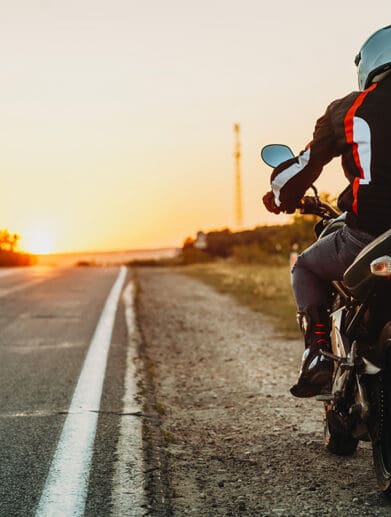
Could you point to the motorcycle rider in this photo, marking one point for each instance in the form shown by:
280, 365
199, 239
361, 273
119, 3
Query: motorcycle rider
357, 128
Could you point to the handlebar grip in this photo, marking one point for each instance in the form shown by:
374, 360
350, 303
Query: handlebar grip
309, 205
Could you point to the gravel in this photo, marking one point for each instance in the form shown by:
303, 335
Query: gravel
223, 435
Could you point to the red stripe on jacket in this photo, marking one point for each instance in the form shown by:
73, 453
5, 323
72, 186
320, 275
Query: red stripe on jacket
348, 122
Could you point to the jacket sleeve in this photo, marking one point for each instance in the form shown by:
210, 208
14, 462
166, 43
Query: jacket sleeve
291, 179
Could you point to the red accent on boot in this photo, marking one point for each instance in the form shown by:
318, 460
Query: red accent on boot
320, 340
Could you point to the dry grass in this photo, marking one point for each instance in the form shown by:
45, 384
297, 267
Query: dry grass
263, 288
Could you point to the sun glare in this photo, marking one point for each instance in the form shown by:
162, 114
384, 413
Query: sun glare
39, 242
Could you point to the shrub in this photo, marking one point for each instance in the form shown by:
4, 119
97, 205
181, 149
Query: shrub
194, 256
13, 258
256, 254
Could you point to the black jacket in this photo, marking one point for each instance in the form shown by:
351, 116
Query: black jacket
358, 128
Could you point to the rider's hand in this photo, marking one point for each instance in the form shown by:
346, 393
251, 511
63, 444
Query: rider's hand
290, 209
268, 201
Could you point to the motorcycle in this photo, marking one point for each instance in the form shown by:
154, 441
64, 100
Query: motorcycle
358, 406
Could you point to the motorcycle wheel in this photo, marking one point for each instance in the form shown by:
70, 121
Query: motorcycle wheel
341, 444
381, 430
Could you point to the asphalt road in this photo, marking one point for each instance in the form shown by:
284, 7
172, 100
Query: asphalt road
180, 409
48, 319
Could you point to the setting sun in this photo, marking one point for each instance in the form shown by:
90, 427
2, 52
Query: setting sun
128, 142
38, 241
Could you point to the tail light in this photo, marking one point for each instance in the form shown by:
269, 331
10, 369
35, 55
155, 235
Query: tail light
381, 266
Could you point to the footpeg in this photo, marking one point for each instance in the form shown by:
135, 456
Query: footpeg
346, 363
333, 357
325, 397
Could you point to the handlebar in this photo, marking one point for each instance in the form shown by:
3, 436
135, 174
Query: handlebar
313, 205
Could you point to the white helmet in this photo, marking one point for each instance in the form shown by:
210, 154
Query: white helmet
374, 57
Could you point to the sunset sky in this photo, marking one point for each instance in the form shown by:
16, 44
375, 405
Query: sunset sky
116, 115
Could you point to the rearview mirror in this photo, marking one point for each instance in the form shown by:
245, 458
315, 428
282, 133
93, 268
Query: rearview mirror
275, 154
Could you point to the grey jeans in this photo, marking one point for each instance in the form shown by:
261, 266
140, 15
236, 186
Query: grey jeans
326, 260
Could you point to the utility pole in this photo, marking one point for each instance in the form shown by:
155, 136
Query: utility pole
238, 180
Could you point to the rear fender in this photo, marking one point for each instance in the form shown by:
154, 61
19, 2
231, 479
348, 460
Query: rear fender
378, 357
383, 348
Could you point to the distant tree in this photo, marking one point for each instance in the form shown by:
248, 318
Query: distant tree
189, 243
9, 256
220, 243
8, 241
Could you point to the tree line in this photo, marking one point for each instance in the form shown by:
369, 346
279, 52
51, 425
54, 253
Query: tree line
9, 255
259, 244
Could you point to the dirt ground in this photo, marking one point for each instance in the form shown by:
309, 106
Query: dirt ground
223, 436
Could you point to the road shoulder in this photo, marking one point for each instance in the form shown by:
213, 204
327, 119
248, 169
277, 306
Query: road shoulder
231, 439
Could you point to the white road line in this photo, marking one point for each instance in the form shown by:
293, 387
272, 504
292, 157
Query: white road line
66, 486
128, 495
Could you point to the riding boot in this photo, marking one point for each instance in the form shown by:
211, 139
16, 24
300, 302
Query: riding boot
316, 369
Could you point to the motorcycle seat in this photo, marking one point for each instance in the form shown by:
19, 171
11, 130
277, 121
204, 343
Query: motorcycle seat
358, 277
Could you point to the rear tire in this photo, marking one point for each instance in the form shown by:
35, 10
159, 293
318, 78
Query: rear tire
381, 430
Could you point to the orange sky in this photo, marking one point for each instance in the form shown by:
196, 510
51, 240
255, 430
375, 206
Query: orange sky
116, 116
